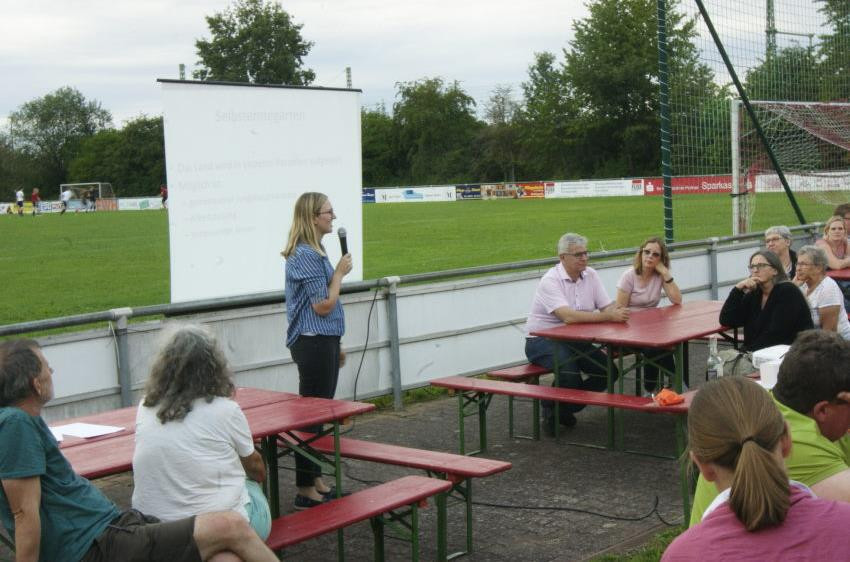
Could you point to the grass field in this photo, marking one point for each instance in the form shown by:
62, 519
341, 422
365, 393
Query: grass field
60, 265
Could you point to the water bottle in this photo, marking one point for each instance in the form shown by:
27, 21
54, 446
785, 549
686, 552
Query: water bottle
715, 362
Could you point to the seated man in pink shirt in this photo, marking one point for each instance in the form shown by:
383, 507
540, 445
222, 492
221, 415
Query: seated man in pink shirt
570, 293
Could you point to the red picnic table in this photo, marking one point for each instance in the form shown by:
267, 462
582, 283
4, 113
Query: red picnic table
664, 328
269, 413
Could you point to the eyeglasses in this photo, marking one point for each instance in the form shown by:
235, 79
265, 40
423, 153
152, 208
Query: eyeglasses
772, 239
331, 212
651, 253
577, 255
807, 264
758, 266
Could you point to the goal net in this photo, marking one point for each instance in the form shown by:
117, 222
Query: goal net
811, 143
794, 53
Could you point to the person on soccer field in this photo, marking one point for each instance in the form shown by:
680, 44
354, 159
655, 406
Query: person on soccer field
19, 201
35, 199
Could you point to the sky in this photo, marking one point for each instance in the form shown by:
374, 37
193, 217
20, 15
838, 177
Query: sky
113, 51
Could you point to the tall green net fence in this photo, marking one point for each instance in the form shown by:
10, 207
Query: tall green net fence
792, 58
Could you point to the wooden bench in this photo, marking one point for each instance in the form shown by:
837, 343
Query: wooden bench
476, 394
372, 503
527, 373
459, 470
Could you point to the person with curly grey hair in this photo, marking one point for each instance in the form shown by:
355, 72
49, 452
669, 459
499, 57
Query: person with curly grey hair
823, 294
194, 451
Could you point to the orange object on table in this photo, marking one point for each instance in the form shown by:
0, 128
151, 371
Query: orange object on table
668, 397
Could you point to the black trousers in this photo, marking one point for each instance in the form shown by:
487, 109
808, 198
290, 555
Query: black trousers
317, 358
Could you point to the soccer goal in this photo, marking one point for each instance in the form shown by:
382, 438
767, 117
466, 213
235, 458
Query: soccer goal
811, 142
90, 196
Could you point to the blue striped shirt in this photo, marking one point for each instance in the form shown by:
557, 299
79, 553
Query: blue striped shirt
307, 277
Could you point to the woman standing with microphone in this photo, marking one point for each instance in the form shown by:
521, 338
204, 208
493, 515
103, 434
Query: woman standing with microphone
316, 322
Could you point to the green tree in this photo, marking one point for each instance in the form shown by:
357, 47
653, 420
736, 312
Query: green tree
546, 119
612, 70
436, 127
49, 131
254, 41
131, 159
792, 74
499, 140
379, 148
834, 51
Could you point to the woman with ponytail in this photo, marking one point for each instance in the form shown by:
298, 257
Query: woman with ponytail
739, 440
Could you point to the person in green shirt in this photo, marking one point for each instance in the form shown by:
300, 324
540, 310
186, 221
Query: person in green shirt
813, 395
54, 515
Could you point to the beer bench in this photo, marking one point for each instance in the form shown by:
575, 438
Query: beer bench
379, 504
459, 470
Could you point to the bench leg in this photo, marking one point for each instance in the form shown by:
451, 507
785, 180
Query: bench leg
377, 524
511, 417
479, 402
535, 415
442, 526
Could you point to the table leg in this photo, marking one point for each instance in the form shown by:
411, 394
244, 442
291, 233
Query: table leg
556, 373
338, 478
609, 366
269, 445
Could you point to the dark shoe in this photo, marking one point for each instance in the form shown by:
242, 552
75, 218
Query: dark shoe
568, 419
331, 494
549, 424
303, 502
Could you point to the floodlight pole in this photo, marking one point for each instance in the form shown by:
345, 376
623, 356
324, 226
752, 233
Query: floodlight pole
664, 120
746, 101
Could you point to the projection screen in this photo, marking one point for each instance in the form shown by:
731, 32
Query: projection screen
237, 157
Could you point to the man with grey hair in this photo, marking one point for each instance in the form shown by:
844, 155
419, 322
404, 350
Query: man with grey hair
570, 293
777, 239
54, 514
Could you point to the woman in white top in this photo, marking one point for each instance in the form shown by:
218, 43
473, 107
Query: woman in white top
822, 293
194, 452
640, 286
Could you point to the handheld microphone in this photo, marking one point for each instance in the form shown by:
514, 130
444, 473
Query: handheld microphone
343, 242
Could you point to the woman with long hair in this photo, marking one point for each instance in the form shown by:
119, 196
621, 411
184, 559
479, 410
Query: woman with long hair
771, 310
194, 451
316, 322
739, 440
835, 243
640, 286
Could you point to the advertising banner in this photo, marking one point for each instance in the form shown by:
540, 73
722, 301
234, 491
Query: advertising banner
415, 194
593, 188
139, 204
825, 181
682, 185
467, 192
498, 191
530, 190
368, 195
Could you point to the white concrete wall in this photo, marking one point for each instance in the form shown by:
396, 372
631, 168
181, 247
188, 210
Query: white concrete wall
448, 328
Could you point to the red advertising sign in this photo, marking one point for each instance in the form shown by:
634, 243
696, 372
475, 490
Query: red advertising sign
689, 184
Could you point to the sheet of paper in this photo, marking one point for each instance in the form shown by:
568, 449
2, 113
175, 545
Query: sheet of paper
85, 430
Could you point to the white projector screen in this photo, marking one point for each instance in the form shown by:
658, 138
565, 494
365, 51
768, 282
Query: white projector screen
237, 158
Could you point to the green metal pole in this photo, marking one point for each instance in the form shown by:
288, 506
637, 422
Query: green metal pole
664, 121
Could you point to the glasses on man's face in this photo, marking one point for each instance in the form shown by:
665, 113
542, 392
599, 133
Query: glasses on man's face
577, 255
772, 239
759, 266
651, 253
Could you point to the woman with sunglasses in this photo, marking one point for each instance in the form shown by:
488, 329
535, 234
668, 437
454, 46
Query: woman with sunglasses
640, 286
771, 310
316, 322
